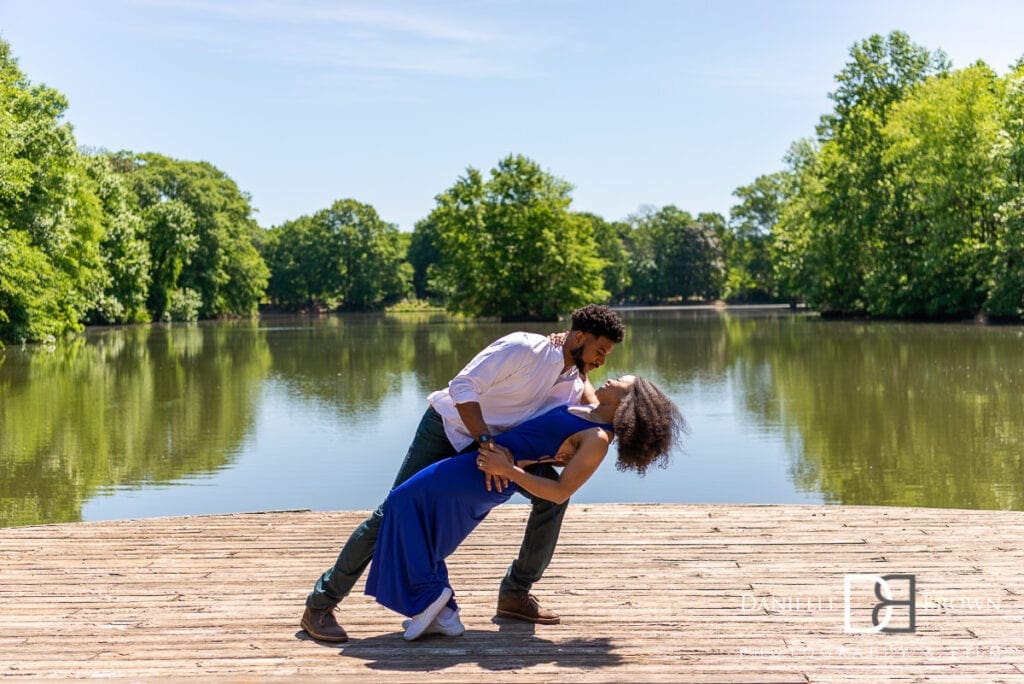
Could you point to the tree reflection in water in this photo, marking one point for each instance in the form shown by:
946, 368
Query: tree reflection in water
868, 413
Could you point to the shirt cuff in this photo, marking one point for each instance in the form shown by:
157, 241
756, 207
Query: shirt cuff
462, 393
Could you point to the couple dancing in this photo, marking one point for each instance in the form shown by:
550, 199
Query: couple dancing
531, 392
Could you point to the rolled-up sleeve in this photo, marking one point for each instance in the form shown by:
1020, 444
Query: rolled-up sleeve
496, 362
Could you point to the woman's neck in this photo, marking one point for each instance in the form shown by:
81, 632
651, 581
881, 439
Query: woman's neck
603, 413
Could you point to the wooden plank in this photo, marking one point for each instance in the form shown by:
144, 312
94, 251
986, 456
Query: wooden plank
647, 593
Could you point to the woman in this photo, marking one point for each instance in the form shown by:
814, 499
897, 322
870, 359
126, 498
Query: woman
429, 515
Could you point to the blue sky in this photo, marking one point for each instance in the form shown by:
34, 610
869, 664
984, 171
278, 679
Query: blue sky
635, 103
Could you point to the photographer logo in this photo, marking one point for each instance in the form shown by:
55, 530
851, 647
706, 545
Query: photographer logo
889, 614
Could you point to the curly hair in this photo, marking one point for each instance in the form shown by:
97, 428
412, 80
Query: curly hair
647, 425
600, 321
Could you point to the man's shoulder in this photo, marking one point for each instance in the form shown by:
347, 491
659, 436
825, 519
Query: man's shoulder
525, 343
529, 348
524, 338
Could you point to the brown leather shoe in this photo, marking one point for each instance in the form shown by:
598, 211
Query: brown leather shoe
525, 607
321, 625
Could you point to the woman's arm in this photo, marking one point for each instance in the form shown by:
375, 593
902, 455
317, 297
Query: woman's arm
592, 449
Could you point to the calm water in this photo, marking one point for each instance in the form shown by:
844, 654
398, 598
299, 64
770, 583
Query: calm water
291, 413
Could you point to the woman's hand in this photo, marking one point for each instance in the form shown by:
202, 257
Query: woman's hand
498, 465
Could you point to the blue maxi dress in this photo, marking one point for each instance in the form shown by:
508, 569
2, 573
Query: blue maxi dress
431, 513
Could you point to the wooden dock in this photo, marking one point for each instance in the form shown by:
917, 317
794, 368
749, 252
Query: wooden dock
646, 593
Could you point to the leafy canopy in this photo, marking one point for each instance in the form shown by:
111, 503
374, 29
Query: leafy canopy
511, 247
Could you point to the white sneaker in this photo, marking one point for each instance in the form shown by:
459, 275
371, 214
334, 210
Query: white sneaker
449, 625
419, 623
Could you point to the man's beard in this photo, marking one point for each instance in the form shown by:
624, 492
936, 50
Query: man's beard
577, 358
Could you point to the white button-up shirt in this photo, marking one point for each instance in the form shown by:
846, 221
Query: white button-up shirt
514, 378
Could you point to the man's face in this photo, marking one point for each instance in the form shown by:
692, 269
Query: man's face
590, 351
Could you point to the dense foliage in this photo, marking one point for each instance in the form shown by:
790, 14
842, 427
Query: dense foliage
611, 248
50, 223
124, 249
110, 238
343, 256
908, 203
750, 271
674, 256
509, 246
201, 233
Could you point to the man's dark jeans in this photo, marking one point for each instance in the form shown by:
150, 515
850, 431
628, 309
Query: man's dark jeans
431, 445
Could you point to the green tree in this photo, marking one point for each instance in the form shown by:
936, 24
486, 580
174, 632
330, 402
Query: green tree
674, 256
944, 188
611, 247
171, 234
423, 254
846, 203
225, 269
373, 257
796, 263
750, 270
286, 251
124, 250
713, 231
342, 256
1006, 281
50, 222
511, 247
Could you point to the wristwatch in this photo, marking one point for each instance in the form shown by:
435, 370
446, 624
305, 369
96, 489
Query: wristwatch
483, 439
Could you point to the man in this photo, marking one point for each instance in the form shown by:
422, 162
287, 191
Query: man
513, 379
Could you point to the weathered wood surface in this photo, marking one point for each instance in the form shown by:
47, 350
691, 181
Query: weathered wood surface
646, 593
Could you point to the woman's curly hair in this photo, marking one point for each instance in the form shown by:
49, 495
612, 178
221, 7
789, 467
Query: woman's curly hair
647, 425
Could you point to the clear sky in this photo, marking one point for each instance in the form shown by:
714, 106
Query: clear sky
635, 103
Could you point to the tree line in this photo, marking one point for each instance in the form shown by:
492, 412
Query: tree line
99, 237
908, 202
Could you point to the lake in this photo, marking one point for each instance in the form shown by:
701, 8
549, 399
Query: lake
317, 412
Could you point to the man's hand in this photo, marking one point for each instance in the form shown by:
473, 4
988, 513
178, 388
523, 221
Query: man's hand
497, 463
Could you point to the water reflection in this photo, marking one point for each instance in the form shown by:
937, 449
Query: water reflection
784, 408
353, 363
871, 413
130, 406
902, 414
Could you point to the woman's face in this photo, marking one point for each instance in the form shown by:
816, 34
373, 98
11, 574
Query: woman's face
613, 390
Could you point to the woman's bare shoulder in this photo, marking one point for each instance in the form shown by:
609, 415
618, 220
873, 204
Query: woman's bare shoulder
590, 437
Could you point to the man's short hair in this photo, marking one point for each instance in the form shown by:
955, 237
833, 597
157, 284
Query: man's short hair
598, 320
